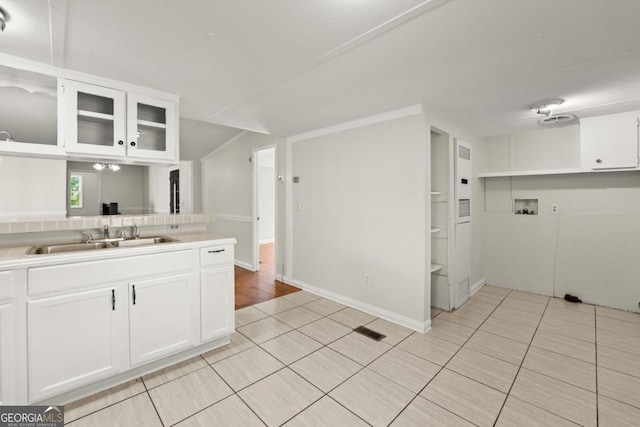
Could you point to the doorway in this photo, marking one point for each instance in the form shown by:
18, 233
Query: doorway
174, 191
265, 209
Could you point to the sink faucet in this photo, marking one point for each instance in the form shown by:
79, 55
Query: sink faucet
134, 232
88, 237
106, 232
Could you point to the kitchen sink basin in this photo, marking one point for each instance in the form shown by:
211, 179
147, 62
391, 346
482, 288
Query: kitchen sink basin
67, 247
142, 241
91, 246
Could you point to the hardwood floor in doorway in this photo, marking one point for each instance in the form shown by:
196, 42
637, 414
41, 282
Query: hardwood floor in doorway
253, 287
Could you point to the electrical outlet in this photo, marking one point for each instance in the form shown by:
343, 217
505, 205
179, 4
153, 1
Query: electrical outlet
367, 279
554, 208
174, 226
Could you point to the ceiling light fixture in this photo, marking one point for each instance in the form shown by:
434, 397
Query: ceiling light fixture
102, 166
4, 17
547, 107
9, 137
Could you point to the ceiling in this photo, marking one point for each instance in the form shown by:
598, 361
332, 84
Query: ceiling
289, 66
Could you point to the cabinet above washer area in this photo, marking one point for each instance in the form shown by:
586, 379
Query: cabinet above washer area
610, 142
58, 113
597, 144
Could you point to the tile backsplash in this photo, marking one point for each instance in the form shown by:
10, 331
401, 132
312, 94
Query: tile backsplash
37, 225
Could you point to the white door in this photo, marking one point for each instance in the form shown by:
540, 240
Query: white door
92, 119
163, 317
7, 355
217, 302
75, 339
151, 128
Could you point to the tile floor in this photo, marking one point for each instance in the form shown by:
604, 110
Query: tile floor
506, 358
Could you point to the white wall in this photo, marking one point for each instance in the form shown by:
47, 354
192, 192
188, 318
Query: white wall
190, 187
361, 195
157, 184
590, 248
364, 209
32, 187
266, 195
543, 149
227, 191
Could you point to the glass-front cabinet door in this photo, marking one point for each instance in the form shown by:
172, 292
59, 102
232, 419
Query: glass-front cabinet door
151, 127
94, 119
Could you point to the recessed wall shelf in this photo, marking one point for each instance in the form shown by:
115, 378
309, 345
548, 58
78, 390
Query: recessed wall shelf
435, 230
436, 193
530, 173
525, 206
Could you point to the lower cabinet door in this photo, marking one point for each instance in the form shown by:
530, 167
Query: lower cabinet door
7, 354
163, 317
217, 308
75, 339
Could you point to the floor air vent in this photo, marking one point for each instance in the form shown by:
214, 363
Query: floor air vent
369, 333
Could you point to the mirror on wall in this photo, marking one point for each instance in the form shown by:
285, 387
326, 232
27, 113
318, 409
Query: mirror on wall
107, 192
28, 111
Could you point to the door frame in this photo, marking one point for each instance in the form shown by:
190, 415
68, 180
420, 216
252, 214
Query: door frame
255, 243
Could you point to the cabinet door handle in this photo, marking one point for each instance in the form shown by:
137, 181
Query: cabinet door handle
133, 143
113, 299
121, 142
134, 294
216, 251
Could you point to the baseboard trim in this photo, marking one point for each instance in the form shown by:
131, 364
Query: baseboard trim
476, 286
359, 305
244, 265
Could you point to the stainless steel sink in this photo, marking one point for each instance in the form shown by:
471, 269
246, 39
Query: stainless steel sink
67, 247
91, 246
143, 241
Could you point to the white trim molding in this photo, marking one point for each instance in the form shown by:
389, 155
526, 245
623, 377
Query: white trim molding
476, 286
359, 305
244, 265
383, 117
229, 217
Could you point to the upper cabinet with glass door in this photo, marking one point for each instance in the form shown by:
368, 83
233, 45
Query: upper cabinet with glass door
102, 122
28, 113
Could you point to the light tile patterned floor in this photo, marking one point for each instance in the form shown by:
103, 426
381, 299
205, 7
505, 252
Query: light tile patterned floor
506, 358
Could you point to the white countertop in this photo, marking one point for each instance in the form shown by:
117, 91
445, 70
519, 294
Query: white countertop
15, 255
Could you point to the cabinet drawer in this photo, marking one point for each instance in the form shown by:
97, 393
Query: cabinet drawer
6, 289
86, 275
216, 255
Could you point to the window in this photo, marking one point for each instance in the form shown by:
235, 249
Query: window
75, 191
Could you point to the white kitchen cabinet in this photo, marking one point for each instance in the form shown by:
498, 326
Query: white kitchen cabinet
610, 142
7, 353
163, 317
216, 298
151, 128
93, 119
76, 339
102, 122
